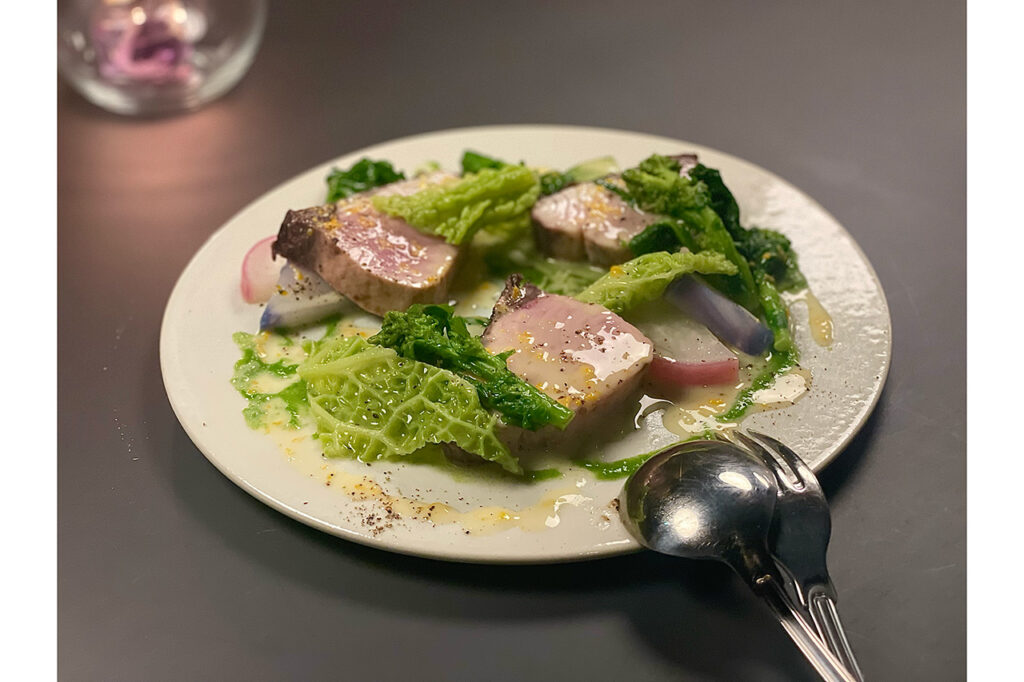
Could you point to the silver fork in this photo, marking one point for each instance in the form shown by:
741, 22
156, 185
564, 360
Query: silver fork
801, 530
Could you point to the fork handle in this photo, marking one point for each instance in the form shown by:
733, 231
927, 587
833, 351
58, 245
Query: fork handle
828, 665
822, 608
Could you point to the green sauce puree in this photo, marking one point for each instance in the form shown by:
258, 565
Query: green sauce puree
621, 468
250, 366
778, 363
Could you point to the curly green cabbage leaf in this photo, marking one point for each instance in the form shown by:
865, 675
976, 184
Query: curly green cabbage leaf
370, 403
645, 277
363, 175
432, 334
498, 199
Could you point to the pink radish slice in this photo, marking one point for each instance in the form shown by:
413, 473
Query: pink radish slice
669, 372
260, 269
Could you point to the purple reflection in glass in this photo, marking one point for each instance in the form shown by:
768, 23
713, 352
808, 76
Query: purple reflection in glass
145, 41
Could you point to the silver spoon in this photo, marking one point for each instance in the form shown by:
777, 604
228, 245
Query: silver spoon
712, 500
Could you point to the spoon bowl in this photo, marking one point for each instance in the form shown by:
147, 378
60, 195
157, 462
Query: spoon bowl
700, 500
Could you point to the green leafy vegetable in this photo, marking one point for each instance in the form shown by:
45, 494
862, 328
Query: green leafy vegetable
498, 199
370, 403
474, 162
587, 171
426, 168
721, 199
657, 187
774, 308
645, 277
552, 182
778, 363
557, 276
659, 236
553, 275
621, 468
772, 252
363, 175
433, 335
768, 250
772, 260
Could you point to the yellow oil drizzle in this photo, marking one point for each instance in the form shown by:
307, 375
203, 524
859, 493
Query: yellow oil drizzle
486, 520
818, 320
387, 509
694, 410
478, 521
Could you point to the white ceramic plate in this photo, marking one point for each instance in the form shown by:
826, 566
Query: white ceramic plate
566, 519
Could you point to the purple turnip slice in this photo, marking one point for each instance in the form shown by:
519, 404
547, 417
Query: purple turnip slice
729, 321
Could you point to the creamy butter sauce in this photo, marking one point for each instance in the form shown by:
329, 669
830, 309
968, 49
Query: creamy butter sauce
787, 389
479, 301
273, 347
269, 383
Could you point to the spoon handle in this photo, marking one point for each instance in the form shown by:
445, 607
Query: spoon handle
827, 665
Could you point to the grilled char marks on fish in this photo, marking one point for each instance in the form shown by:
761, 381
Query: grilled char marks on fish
517, 293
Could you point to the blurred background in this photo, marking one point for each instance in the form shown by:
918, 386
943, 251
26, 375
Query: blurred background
168, 571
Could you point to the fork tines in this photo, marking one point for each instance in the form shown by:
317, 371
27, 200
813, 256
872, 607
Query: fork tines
785, 463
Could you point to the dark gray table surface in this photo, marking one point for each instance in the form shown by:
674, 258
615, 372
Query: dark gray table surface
168, 571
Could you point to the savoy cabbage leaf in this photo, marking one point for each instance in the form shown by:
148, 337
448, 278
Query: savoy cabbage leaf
370, 403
